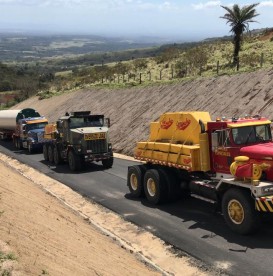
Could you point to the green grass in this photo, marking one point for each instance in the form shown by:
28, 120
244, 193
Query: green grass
7, 256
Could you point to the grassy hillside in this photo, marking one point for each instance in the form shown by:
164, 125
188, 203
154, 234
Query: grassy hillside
138, 67
169, 63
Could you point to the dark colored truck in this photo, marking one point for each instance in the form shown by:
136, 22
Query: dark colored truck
78, 138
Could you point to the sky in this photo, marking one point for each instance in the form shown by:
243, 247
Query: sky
171, 19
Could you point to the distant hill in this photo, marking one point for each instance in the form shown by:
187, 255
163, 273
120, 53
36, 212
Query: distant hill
26, 48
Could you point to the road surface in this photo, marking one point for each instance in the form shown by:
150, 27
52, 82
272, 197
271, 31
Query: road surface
190, 225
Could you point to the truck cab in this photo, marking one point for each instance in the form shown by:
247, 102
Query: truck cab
247, 136
29, 132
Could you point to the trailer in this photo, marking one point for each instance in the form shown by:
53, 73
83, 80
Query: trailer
78, 138
228, 162
24, 126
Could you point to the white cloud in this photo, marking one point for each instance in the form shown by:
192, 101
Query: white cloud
19, 2
266, 4
207, 5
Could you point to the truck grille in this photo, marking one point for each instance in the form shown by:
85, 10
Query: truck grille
97, 146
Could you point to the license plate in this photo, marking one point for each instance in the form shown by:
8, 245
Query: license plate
94, 136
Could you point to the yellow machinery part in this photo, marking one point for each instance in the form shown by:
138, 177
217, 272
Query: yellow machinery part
241, 160
176, 139
182, 127
204, 152
256, 172
50, 131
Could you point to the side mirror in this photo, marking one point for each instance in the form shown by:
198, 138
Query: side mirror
107, 122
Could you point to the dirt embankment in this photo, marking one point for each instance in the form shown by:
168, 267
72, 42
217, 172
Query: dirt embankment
48, 229
131, 110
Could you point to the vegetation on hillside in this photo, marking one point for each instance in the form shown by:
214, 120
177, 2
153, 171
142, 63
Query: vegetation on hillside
168, 63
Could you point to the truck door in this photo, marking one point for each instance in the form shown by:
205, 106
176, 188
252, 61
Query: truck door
221, 151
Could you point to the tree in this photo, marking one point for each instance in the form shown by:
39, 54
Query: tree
239, 19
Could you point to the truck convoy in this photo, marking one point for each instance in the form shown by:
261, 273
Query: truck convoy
25, 127
228, 162
78, 137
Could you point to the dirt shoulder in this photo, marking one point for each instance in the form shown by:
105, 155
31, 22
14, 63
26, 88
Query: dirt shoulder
48, 229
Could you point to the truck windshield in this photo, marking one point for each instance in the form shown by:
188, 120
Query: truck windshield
251, 134
94, 121
35, 126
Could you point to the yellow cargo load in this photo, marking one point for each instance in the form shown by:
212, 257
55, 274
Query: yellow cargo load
50, 131
178, 127
175, 141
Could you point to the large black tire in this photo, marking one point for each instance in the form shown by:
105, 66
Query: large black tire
239, 211
14, 142
74, 161
155, 187
18, 143
45, 152
30, 148
50, 149
56, 156
172, 184
107, 163
135, 177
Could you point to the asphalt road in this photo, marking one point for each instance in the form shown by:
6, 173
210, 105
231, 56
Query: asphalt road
192, 226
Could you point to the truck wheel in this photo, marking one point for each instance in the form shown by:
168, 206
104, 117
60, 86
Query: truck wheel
74, 161
18, 144
135, 178
50, 154
45, 152
155, 187
29, 148
172, 184
107, 163
56, 156
239, 211
14, 142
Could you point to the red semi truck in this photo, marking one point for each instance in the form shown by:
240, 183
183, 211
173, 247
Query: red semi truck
228, 162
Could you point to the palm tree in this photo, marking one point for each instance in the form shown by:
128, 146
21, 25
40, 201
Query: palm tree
239, 19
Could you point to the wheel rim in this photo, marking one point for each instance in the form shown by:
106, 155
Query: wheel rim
133, 182
236, 211
151, 187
